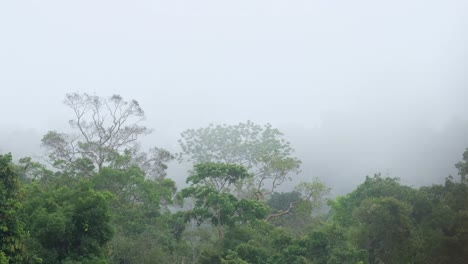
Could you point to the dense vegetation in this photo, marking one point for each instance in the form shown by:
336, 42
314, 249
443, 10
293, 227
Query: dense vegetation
102, 199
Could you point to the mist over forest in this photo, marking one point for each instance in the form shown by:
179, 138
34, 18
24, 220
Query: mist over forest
242, 132
341, 151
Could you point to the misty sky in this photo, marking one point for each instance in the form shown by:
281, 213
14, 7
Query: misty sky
357, 86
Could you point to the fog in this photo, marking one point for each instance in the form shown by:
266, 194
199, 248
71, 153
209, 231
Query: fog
358, 87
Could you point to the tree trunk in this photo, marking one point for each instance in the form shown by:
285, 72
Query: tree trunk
220, 232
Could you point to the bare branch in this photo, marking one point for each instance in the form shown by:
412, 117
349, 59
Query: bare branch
291, 206
106, 126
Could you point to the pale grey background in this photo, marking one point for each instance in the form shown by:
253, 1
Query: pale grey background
357, 86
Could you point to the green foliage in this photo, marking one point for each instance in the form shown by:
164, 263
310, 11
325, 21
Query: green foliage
378, 218
443, 230
398, 224
209, 190
314, 192
68, 223
233, 258
298, 210
11, 228
219, 176
106, 201
329, 244
104, 127
29, 170
63, 156
280, 201
385, 229
133, 190
211, 204
260, 242
462, 167
376, 186
262, 150
153, 163
144, 229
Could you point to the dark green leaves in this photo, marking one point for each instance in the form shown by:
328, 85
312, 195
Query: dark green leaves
11, 228
212, 200
68, 223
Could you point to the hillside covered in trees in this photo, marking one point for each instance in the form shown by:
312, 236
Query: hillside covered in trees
99, 196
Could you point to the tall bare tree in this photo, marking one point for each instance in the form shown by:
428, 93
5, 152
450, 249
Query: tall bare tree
105, 127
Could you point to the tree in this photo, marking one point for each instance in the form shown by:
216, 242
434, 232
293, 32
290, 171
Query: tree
105, 126
373, 187
145, 230
218, 208
385, 230
262, 150
443, 222
29, 170
462, 167
310, 193
11, 228
68, 224
259, 242
378, 218
153, 163
218, 176
209, 188
329, 244
137, 198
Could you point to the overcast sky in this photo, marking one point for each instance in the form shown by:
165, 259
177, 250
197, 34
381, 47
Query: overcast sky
359, 80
